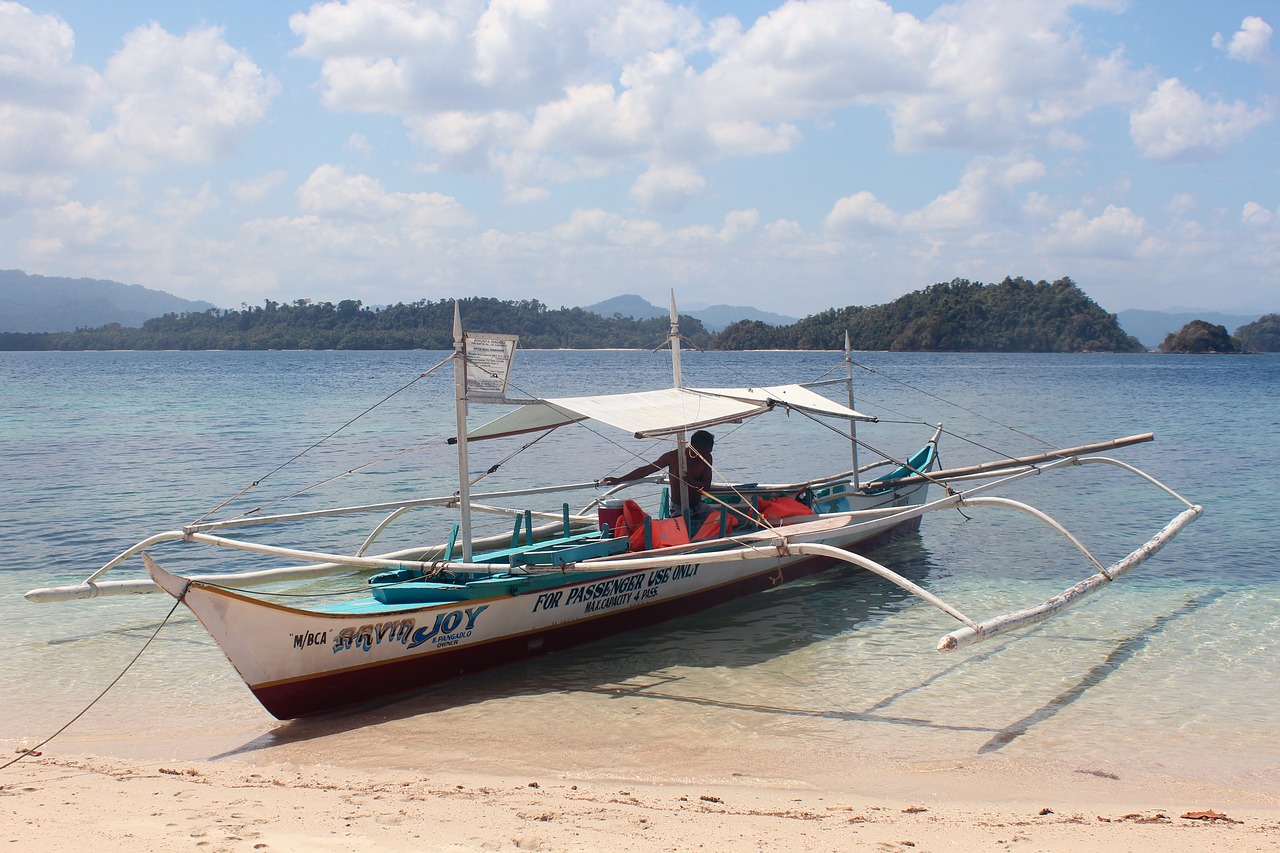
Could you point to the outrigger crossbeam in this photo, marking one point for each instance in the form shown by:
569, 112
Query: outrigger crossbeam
782, 541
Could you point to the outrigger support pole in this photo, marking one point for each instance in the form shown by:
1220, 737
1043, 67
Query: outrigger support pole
971, 634
817, 549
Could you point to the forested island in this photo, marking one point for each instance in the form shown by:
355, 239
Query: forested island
1201, 337
1015, 315
1262, 335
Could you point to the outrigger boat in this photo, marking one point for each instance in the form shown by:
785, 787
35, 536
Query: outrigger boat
470, 603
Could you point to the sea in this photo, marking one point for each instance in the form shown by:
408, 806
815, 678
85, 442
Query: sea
1168, 674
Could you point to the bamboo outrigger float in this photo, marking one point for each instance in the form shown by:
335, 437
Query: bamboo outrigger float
433, 612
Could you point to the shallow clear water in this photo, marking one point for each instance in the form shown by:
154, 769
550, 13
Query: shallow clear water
1170, 671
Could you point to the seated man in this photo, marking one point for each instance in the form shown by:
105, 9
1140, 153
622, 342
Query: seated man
687, 494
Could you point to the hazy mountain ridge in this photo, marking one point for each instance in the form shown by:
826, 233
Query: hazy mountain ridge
714, 317
37, 303
1151, 327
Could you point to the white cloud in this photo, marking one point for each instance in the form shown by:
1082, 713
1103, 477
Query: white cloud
550, 92
411, 59
1177, 123
468, 140
738, 224
359, 143
1012, 70
984, 197
19, 191
1181, 204
1117, 232
254, 190
1256, 215
1251, 43
861, 212
331, 193
179, 205
188, 99
667, 189
101, 227
599, 227
45, 99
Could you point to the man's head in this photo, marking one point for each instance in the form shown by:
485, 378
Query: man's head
702, 440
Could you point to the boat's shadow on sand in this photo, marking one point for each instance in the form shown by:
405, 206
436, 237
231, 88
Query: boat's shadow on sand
743, 633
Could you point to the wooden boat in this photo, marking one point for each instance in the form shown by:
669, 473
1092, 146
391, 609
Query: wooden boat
436, 612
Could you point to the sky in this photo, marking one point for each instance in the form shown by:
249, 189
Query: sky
789, 156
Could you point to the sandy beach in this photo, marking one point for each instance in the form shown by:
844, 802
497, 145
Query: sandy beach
415, 775
54, 801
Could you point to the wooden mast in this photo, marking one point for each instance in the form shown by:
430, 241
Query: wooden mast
682, 438
853, 423
460, 403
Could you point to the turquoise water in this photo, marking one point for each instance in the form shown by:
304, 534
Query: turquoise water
1169, 673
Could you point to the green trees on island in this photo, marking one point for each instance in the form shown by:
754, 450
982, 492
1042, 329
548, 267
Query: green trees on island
304, 324
1016, 315
1262, 335
1199, 336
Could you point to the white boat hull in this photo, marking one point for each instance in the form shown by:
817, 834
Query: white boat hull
299, 662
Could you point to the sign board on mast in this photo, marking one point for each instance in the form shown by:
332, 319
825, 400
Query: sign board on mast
489, 358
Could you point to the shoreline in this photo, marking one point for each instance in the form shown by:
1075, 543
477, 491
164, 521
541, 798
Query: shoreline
52, 800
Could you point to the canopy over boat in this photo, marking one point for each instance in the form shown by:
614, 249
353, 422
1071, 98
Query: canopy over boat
648, 414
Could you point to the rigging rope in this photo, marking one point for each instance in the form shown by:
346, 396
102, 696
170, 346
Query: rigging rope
85, 710
302, 491
906, 384
313, 446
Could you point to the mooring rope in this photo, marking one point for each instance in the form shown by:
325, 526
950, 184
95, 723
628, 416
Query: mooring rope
35, 749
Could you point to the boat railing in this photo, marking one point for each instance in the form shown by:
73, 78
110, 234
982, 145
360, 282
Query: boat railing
325, 564
804, 537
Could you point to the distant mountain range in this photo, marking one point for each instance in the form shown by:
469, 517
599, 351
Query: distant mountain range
37, 303
1151, 327
713, 317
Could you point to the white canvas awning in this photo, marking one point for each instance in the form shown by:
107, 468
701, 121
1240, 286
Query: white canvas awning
646, 414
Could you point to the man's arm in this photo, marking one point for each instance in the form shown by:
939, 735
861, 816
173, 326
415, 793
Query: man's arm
642, 471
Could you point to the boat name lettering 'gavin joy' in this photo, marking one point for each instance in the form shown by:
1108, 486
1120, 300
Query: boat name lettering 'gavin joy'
365, 637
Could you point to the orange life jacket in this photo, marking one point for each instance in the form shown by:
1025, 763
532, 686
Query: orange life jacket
776, 510
664, 532
710, 528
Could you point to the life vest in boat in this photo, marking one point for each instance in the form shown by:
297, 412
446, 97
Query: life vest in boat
776, 510
664, 532
710, 528
631, 520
